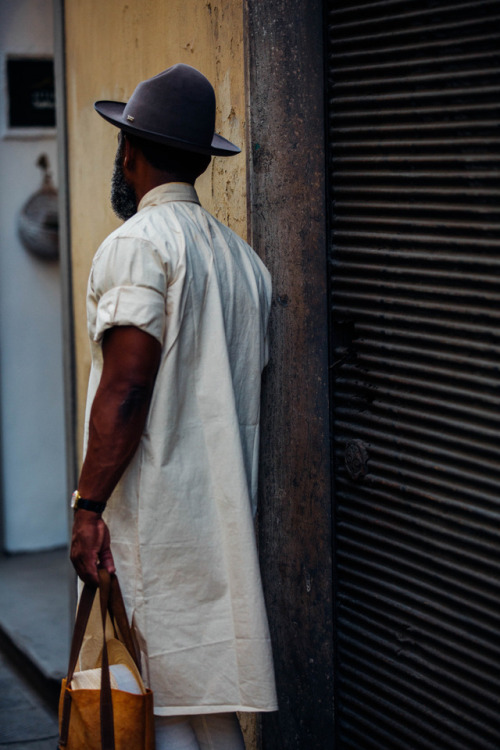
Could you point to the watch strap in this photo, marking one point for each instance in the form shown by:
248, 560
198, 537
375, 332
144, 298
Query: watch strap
83, 504
77, 502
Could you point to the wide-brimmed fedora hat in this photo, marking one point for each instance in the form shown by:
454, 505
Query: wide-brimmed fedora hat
176, 108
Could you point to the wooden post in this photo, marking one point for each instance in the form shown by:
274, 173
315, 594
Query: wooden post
289, 231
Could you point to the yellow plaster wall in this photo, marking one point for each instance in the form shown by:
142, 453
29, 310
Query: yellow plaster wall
111, 46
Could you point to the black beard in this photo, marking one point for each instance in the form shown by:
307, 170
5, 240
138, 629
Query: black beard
123, 200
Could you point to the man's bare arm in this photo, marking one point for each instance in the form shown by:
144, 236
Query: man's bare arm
119, 411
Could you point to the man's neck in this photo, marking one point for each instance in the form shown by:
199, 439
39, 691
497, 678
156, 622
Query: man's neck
148, 178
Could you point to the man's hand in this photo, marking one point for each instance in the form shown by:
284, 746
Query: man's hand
90, 546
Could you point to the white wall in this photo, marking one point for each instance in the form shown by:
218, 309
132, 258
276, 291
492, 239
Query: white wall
32, 468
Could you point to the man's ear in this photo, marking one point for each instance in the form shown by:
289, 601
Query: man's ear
129, 155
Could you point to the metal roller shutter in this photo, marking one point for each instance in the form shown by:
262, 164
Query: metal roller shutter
414, 116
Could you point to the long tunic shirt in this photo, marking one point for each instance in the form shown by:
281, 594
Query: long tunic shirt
181, 517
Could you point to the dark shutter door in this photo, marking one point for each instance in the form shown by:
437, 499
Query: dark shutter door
414, 133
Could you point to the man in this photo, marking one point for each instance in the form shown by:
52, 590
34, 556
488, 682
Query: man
177, 314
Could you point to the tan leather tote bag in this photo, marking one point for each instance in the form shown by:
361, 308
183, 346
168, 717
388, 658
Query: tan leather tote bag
94, 713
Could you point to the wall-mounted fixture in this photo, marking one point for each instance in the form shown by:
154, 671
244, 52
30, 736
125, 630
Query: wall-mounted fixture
38, 223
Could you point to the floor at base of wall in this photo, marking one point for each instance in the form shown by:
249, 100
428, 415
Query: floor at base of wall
35, 596
25, 719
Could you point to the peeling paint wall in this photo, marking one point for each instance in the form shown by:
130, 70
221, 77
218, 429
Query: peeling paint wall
110, 47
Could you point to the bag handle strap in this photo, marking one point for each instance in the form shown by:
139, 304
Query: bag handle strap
119, 617
82, 617
107, 727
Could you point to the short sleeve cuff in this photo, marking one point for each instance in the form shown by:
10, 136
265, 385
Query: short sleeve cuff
136, 306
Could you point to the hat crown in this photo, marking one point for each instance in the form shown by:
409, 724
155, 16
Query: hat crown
179, 103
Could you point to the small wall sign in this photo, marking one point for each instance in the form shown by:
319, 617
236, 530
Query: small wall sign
30, 84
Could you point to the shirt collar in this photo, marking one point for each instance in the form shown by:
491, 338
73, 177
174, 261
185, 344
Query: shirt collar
170, 191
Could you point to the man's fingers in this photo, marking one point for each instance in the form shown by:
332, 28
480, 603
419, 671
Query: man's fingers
86, 569
106, 560
105, 556
90, 547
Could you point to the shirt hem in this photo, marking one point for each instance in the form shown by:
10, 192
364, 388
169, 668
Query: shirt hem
194, 710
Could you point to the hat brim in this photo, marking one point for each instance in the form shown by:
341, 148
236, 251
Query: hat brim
113, 113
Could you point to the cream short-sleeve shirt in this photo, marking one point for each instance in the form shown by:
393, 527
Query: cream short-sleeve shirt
181, 517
